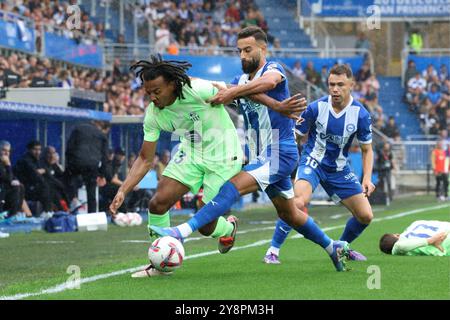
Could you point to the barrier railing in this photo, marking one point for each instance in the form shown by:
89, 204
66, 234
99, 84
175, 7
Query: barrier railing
130, 52
413, 155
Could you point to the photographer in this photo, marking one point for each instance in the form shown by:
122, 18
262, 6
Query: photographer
385, 165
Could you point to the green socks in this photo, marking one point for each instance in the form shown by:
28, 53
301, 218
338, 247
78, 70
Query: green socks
158, 220
223, 228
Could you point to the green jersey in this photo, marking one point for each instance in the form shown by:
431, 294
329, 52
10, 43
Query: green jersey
413, 241
206, 132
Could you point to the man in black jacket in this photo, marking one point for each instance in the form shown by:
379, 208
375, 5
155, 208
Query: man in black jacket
31, 173
11, 191
54, 175
86, 155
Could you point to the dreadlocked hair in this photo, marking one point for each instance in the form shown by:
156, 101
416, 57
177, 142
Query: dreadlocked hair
170, 70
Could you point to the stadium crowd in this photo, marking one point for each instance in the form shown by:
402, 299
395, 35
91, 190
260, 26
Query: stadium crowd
427, 93
52, 15
38, 185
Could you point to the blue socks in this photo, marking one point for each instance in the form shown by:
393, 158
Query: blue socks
311, 231
222, 202
282, 230
352, 230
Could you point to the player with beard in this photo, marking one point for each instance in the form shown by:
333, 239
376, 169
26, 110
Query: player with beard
271, 149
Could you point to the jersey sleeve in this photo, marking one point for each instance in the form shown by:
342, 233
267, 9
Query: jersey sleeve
151, 128
404, 245
204, 88
364, 133
275, 67
309, 117
235, 80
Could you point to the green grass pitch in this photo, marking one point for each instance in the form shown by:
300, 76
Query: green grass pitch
32, 263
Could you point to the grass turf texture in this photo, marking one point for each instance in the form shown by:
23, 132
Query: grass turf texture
33, 262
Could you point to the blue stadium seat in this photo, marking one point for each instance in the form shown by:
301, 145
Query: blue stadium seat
391, 99
280, 16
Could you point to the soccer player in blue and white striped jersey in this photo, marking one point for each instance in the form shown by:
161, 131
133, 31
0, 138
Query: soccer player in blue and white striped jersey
332, 122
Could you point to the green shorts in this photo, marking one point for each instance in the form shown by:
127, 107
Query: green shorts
194, 175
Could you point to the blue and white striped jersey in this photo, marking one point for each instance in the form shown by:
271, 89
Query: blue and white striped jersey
265, 127
331, 134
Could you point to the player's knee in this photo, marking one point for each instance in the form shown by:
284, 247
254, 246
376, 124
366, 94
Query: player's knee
365, 218
300, 203
157, 206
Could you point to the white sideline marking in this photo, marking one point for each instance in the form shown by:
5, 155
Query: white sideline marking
63, 287
53, 242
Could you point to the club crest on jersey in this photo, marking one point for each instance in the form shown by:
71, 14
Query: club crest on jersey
350, 127
194, 116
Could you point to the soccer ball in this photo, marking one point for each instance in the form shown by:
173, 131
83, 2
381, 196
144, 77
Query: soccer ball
166, 254
122, 220
128, 220
135, 219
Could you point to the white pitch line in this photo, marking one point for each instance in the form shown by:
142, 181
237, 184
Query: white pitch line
63, 287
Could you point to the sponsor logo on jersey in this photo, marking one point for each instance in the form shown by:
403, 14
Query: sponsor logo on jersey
339, 140
307, 170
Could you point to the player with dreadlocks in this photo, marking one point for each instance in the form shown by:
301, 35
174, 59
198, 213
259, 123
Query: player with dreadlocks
209, 154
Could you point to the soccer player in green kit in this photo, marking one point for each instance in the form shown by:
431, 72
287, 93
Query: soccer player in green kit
209, 154
421, 238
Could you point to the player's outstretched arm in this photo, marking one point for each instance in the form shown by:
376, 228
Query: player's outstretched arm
139, 169
291, 107
367, 159
263, 84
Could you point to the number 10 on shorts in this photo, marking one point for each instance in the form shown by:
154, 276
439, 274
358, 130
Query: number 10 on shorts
311, 162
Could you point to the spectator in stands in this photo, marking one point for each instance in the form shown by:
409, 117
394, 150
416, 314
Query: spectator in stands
162, 40
373, 82
390, 129
415, 41
363, 74
114, 179
298, 71
233, 11
324, 78
443, 73
362, 43
54, 175
398, 150
433, 98
86, 156
385, 165
64, 80
311, 74
410, 72
162, 164
430, 74
12, 192
31, 173
440, 166
416, 93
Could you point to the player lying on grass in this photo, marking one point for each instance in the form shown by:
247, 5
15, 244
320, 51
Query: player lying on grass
271, 150
421, 238
332, 122
209, 154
